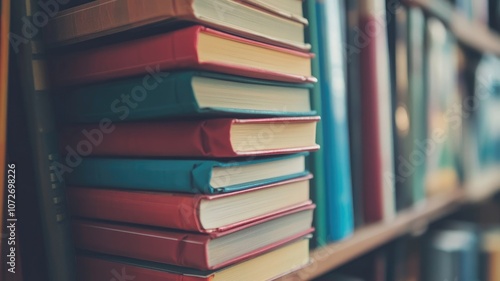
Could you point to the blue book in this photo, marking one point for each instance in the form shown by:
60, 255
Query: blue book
186, 176
331, 21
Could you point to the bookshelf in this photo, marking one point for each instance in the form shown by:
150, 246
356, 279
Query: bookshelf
413, 220
473, 34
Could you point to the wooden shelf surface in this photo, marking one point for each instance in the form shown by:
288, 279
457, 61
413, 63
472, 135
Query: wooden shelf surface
416, 219
473, 34
413, 220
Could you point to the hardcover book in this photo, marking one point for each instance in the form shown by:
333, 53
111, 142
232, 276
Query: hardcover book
196, 138
340, 221
292, 256
186, 176
194, 250
183, 94
378, 164
195, 47
190, 212
97, 19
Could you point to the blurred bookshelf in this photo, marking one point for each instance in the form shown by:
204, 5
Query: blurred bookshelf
475, 35
413, 220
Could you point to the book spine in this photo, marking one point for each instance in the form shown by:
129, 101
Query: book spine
354, 118
49, 185
378, 179
150, 55
207, 138
192, 177
155, 209
182, 249
141, 98
318, 183
339, 203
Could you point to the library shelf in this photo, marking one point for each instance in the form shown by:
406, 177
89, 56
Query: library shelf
483, 186
476, 35
413, 220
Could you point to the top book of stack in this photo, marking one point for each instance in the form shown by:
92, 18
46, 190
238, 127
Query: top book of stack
268, 22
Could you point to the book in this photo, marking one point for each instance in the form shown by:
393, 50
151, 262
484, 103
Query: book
334, 120
378, 164
444, 126
417, 99
98, 19
222, 137
401, 108
198, 212
185, 176
45, 189
288, 9
271, 265
195, 47
194, 250
447, 254
316, 160
353, 46
490, 253
183, 94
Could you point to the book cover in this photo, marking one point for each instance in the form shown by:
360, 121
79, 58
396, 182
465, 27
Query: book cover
39, 151
444, 125
334, 120
418, 99
316, 163
222, 137
175, 96
182, 211
290, 257
132, 17
195, 47
401, 108
355, 41
193, 250
378, 165
185, 176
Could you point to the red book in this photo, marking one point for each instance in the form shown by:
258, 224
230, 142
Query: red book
378, 187
273, 264
199, 138
190, 212
194, 250
195, 47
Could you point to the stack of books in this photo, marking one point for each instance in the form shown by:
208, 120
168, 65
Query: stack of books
188, 124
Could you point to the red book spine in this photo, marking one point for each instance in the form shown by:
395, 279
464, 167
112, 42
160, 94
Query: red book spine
149, 244
149, 55
372, 158
208, 138
156, 209
91, 269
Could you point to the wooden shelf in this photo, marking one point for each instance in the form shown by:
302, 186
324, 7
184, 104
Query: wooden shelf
413, 220
483, 186
416, 219
473, 34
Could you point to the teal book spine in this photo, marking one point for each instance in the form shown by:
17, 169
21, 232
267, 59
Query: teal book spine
159, 95
316, 160
172, 175
339, 205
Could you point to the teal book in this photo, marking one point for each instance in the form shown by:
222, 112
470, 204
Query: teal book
316, 161
181, 94
186, 176
339, 204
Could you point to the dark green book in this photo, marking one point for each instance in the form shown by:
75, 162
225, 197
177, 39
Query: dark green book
316, 159
183, 94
